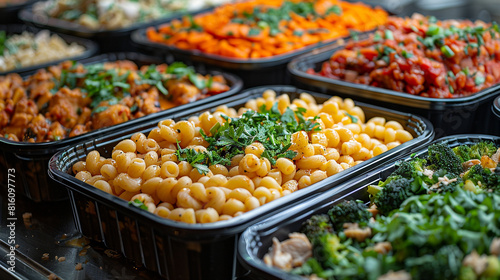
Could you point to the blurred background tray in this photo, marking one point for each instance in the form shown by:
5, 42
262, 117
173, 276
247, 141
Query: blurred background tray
108, 40
9, 12
91, 48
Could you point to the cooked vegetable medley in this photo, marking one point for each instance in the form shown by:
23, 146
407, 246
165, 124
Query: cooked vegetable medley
70, 99
422, 56
28, 49
433, 218
219, 165
114, 14
263, 28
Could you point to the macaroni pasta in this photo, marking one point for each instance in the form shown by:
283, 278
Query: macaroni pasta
150, 167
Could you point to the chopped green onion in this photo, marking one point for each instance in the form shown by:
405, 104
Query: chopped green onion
479, 79
253, 32
447, 51
388, 35
433, 30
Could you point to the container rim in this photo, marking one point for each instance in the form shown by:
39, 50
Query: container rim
237, 223
45, 147
309, 60
59, 25
496, 106
346, 189
91, 47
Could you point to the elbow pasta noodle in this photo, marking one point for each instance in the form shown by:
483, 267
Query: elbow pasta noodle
147, 168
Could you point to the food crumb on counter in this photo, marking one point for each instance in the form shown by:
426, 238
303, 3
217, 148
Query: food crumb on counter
17, 246
83, 252
52, 276
78, 266
27, 219
45, 256
112, 254
61, 259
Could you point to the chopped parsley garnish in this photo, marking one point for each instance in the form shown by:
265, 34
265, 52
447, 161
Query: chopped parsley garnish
269, 127
335, 9
102, 84
139, 204
354, 119
479, 79
253, 32
447, 51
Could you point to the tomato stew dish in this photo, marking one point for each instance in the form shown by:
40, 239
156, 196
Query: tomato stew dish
422, 56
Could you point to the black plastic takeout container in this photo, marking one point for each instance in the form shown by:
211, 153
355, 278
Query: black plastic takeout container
448, 116
256, 241
201, 251
31, 159
8, 12
91, 47
109, 40
254, 72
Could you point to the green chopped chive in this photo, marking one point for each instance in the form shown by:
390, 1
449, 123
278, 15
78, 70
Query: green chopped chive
479, 79
447, 51
388, 35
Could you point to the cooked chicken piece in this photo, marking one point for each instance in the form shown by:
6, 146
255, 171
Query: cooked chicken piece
478, 263
38, 128
77, 130
398, 275
487, 162
115, 114
299, 247
352, 230
373, 209
444, 180
382, 247
182, 92
56, 132
290, 253
428, 173
278, 258
468, 164
496, 156
495, 246
64, 106
4, 118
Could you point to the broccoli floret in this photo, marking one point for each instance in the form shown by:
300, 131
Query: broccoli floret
349, 211
482, 149
492, 269
326, 248
311, 266
443, 264
467, 273
389, 194
477, 174
440, 156
443, 187
316, 226
463, 152
411, 168
493, 181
